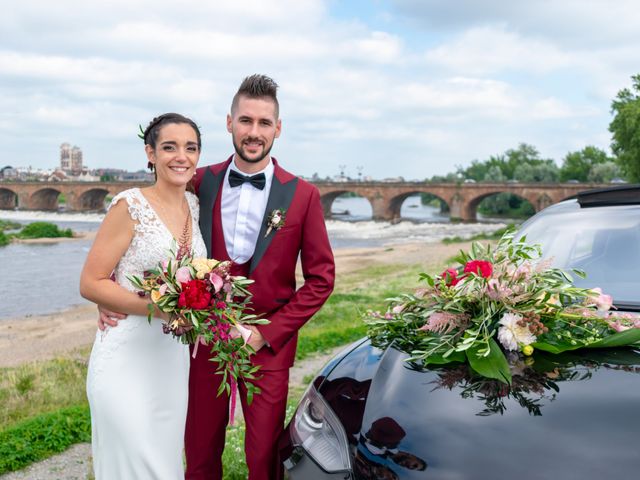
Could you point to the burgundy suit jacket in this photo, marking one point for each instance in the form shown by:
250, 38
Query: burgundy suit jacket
273, 265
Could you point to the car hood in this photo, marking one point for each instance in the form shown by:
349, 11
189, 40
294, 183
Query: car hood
564, 416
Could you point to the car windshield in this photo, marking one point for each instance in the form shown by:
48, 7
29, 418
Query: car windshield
604, 242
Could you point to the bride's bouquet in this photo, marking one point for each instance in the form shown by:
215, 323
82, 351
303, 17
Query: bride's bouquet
496, 300
206, 305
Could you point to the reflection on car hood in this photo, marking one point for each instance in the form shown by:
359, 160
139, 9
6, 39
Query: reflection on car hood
565, 416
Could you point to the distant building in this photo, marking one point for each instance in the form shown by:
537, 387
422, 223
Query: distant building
8, 173
70, 159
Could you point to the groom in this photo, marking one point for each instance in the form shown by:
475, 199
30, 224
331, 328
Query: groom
240, 201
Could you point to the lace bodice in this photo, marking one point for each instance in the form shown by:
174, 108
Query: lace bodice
152, 239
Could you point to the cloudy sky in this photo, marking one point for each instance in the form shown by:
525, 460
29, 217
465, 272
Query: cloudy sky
382, 87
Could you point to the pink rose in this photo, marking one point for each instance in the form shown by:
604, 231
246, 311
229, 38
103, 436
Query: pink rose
183, 275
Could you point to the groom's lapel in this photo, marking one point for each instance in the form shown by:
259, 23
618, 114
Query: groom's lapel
283, 187
207, 193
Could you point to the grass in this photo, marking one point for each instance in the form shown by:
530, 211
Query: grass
42, 436
43, 406
41, 387
9, 225
495, 235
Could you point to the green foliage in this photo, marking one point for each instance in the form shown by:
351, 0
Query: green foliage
43, 436
625, 128
495, 235
503, 167
506, 205
579, 165
9, 225
35, 388
605, 172
4, 240
44, 230
233, 460
546, 172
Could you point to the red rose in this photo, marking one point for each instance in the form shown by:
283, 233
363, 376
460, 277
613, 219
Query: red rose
450, 277
479, 267
194, 295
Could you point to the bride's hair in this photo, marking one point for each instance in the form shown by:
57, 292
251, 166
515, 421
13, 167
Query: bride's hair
152, 132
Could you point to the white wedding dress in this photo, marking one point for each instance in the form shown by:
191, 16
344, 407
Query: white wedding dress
138, 376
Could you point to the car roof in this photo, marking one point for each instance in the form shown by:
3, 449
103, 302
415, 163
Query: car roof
602, 197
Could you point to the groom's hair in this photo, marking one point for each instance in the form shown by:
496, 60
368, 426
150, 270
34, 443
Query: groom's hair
257, 86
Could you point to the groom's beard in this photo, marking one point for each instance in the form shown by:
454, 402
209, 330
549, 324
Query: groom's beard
238, 148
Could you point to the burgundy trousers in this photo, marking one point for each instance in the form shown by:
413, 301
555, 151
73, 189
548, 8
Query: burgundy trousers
208, 416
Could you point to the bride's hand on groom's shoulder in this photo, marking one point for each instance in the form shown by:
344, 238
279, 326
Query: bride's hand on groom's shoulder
108, 318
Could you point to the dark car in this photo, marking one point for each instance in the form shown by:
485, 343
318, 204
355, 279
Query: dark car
370, 414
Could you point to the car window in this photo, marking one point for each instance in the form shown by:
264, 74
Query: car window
603, 241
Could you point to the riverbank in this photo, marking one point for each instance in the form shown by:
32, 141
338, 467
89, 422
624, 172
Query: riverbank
76, 236
41, 337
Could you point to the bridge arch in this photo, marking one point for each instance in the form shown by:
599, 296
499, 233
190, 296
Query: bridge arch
470, 210
92, 199
8, 199
329, 198
397, 201
44, 199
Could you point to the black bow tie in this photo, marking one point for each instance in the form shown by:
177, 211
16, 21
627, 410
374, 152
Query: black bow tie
258, 181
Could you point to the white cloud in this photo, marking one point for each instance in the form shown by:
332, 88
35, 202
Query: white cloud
488, 50
351, 92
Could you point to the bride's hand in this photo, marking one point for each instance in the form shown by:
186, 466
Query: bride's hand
109, 318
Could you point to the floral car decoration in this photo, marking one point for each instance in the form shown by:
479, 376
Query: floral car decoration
497, 300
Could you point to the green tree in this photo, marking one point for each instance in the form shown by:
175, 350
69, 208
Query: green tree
625, 128
578, 165
546, 172
604, 172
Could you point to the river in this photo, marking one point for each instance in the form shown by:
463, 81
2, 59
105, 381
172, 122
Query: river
43, 278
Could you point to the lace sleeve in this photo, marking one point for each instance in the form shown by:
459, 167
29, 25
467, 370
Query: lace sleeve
134, 205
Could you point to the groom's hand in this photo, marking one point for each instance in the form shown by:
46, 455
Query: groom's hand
256, 340
107, 317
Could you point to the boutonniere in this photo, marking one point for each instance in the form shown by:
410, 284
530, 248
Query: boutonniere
275, 220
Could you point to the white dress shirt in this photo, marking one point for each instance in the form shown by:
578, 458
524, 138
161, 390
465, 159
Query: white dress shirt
242, 210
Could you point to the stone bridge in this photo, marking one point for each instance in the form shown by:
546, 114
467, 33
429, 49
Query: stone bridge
80, 196
462, 199
385, 198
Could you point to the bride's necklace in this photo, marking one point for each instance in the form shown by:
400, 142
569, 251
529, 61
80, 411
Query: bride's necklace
184, 240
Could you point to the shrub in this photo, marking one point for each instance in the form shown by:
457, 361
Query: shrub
4, 240
44, 230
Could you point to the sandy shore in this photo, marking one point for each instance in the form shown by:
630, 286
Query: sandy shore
45, 336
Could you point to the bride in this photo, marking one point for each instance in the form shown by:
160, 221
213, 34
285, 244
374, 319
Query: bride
137, 383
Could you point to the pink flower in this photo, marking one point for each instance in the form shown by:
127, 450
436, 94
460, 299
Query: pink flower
479, 267
240, 331
183, 275
163, 289
216, 281
397, 309
443, 322
600, 300
498, 291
